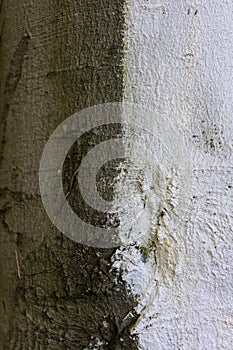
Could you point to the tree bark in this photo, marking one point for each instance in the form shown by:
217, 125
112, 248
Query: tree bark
171, 288
57, 58
178, 61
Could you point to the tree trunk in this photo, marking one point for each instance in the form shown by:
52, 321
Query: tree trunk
57, 57
170, 287
178, 61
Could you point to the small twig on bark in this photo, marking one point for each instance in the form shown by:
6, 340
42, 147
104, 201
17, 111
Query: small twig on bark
72, 182
17, 262
68, 193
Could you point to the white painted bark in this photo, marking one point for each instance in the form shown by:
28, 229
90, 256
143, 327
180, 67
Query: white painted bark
178, 61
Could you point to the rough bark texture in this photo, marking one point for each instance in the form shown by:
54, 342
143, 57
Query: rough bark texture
57, 57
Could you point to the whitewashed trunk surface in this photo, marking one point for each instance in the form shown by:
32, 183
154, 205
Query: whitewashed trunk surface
178, 60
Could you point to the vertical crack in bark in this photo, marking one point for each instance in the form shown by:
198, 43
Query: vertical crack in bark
12, 81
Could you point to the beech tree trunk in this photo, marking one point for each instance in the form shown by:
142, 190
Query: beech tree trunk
172, 287
57, 57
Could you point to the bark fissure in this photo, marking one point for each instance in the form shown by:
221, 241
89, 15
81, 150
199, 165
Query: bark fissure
12, 81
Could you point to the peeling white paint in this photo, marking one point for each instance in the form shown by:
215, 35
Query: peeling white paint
178, 61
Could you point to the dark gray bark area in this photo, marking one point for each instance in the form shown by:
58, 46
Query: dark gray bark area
57, 57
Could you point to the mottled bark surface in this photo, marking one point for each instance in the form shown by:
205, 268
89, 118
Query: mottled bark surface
57, 57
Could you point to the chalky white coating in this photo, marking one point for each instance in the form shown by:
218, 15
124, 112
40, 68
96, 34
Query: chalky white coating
178, 60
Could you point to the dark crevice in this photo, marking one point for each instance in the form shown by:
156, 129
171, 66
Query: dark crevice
12, 81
